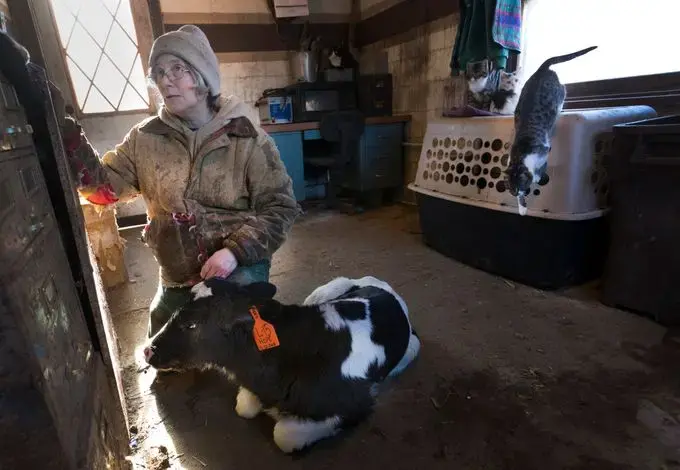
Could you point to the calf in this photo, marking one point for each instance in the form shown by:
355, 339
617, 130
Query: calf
313, 367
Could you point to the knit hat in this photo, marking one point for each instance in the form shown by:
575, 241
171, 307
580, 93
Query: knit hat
190, 44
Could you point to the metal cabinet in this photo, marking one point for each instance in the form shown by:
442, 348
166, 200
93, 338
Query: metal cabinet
42, 317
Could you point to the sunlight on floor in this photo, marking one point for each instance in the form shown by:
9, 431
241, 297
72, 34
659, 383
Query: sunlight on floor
155, 448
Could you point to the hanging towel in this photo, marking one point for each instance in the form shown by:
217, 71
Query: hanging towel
474, 40
507, 25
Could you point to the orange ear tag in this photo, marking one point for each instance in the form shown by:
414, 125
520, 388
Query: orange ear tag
263, 332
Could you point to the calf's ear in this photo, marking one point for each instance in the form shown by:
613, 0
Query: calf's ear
261, 290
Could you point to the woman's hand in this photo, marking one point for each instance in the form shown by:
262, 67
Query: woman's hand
221, 264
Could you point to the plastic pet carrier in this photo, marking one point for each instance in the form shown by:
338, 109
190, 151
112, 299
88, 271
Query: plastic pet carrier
467, 213
643, 267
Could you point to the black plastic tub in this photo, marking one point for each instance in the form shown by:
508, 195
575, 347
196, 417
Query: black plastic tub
541, 252
643, 266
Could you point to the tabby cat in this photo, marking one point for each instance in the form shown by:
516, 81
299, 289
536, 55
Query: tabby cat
538, 109
492, 90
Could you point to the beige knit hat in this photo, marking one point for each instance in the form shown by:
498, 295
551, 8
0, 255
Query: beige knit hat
190, 44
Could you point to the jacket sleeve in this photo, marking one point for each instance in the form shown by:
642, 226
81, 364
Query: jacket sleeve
103, 181
272, 200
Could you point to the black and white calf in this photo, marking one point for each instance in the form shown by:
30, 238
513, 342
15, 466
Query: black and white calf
346, 338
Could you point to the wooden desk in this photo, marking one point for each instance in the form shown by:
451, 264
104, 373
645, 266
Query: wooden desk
380, 164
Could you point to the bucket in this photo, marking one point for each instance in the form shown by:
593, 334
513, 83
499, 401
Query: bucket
306, 66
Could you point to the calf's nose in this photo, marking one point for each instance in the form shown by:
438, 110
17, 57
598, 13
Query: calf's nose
148, 352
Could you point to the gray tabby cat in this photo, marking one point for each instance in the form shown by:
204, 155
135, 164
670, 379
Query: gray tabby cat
538, 109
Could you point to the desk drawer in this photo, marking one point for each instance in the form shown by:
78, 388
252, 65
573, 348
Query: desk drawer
379, 135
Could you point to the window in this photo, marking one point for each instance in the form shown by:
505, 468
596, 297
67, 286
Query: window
635, 55
102, 55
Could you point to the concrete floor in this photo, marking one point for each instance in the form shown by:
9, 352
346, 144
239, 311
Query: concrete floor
508, 377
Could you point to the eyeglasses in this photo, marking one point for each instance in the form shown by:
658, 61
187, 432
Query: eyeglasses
175, 73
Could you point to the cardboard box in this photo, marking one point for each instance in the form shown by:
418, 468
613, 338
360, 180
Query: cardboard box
287, 12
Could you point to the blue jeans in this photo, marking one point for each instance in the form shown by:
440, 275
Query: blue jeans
169, 299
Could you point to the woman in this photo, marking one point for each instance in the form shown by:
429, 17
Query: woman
218, 197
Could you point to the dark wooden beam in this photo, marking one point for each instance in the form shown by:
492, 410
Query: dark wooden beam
156, 18
402, 17
266, 37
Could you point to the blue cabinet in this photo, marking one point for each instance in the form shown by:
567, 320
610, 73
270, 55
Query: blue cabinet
379, 166
380, 162
290, 149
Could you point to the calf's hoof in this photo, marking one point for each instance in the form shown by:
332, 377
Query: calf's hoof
247, 404
291, 434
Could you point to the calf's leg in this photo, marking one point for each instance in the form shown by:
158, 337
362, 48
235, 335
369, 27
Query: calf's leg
292, 433
247, 404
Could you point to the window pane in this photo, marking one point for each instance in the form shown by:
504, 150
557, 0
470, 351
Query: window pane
138, 79
124, 17
96, 103
132, 101
80, 82
83, 50
96, 20
633, 38
112, 5
110, 81
72, 5
64, 19
121, 50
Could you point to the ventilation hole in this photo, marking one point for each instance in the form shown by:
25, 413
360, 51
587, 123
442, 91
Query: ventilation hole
464, 180
433, 166
447, 142
505, 159
477, 144
446, 166
468, 156
460, 168
486, 171
497, 145
594, 177
495, 159
446, 154
472, 181
476, 170
439, 166
453, 154
469, 143
429, 153
426, 175
449, 178
440, 154
461, 143
491, 184
467, 169
500, 186
507, 145
481, 183
487, 144
495, 172
486, 158
537, 192
545, 179
436, 176
435, 142
477, 157
456, 179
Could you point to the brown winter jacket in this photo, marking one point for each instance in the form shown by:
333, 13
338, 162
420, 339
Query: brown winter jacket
223, 185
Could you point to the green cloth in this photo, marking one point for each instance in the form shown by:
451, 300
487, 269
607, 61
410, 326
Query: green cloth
169, 299
474, 39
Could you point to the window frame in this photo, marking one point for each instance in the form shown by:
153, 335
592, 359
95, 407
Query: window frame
660, 91
141, 16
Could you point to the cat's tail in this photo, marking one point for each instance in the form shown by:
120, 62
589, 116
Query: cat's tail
566, 57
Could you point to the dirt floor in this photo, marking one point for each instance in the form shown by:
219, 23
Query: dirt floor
508, 376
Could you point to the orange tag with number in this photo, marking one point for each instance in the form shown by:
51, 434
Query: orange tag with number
263, 332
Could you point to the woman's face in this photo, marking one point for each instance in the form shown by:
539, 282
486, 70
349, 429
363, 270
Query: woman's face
176, 84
